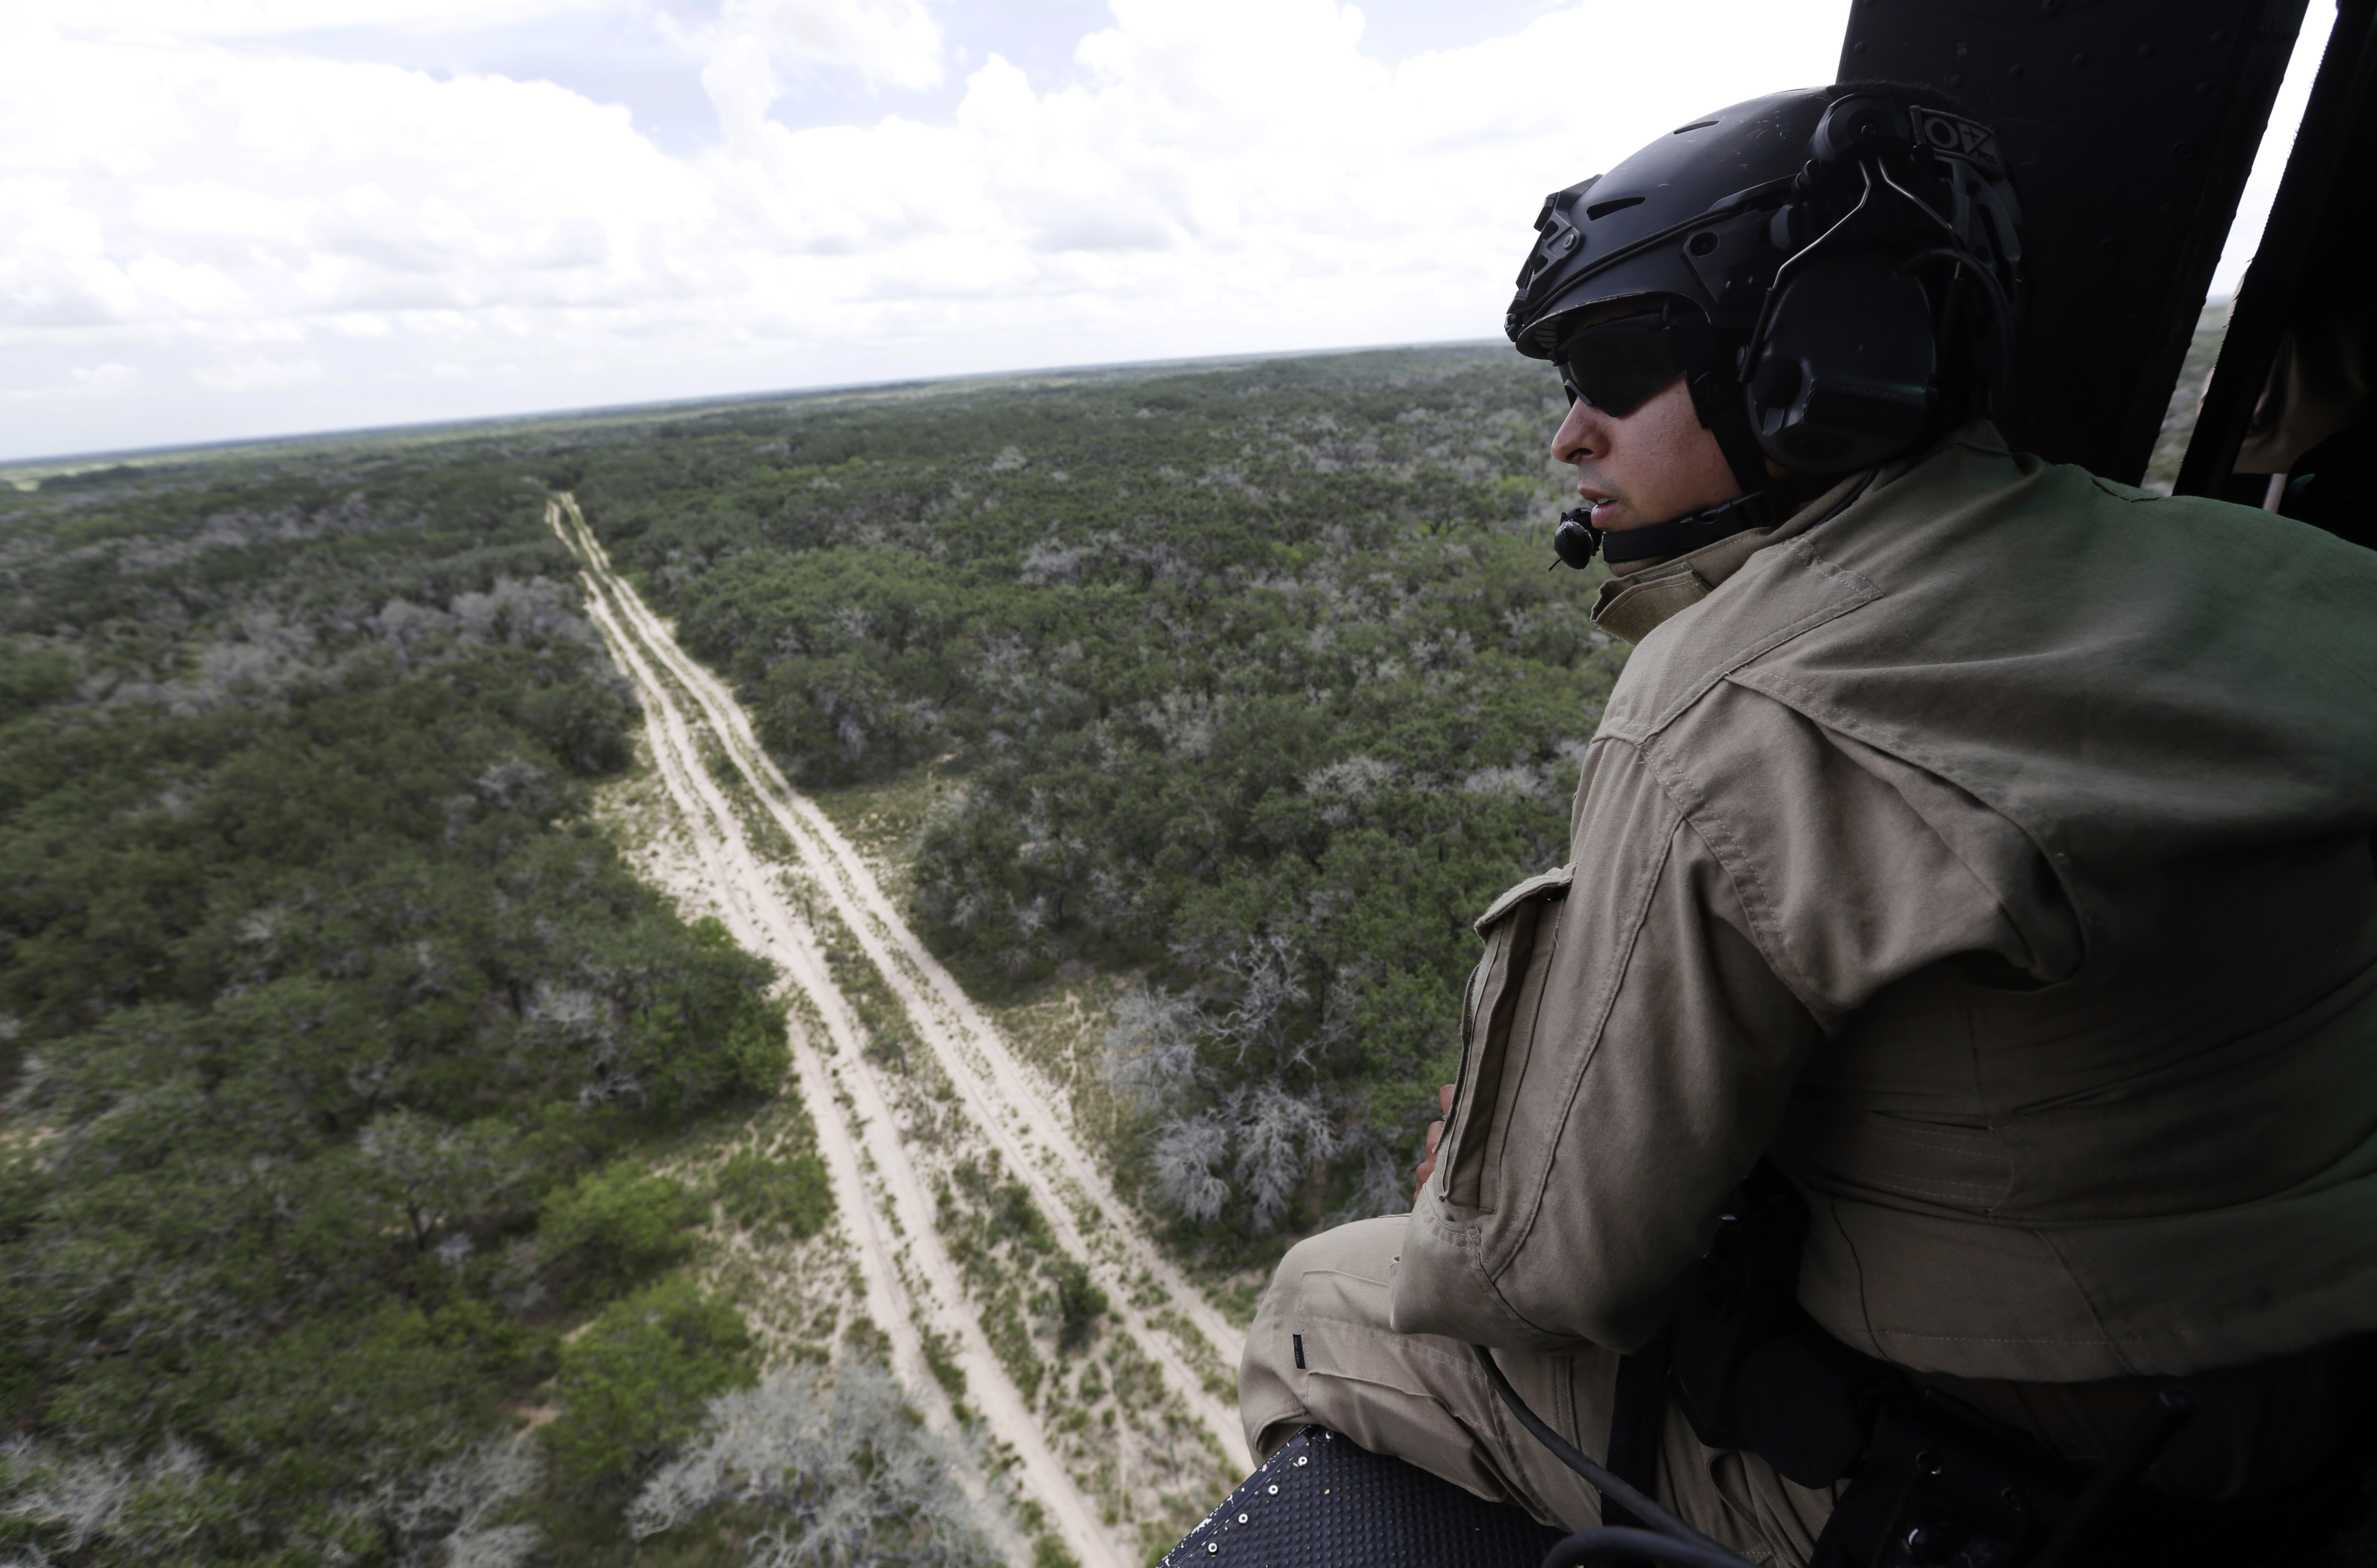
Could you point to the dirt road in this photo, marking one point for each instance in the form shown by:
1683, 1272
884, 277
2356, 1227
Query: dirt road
893, 1185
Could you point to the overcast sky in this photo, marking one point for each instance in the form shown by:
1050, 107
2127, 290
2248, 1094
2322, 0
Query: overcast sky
231, 218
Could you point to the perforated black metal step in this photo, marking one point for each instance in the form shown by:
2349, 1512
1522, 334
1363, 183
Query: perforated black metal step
1325, 1501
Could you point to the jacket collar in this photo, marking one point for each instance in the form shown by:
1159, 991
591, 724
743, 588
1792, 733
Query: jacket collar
1634, 606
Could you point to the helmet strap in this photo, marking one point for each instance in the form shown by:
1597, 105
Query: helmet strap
1717, 401
1759, 509
1577, 541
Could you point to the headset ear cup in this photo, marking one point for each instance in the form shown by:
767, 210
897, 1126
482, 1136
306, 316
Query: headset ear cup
1844, 376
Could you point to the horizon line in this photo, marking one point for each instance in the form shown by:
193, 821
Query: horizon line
65, 464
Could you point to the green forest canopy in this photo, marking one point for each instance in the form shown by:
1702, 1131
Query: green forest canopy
328, 1019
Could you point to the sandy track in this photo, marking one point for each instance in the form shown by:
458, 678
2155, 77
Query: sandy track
1014, 1105
890, 1224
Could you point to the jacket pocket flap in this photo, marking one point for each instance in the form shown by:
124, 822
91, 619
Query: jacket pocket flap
1551, 884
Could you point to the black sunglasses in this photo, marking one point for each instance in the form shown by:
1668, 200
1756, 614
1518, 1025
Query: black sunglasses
1621, 364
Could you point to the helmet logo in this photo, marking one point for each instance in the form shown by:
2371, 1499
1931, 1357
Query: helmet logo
1958, 136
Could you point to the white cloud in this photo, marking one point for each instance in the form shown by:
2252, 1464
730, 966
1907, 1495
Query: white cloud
894, 43
259, 371
262, 19
343, 241
105, 380
82, 381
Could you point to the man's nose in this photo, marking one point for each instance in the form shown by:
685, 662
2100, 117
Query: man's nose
1575, 436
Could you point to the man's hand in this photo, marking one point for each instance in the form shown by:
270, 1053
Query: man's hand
1435, 1136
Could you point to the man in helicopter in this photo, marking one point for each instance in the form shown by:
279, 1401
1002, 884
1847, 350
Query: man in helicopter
1957, 1021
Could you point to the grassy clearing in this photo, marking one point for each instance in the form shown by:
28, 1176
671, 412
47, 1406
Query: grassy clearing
885, 821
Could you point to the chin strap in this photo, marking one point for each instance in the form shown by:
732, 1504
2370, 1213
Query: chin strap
1760, 508
1576, 539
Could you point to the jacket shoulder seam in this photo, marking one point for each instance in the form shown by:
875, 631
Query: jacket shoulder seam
1857, 591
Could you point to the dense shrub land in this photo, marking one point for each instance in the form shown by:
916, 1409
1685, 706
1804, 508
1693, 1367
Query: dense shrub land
1254, 679
330, 1038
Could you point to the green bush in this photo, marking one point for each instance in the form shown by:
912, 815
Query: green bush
790, 1197
615, 1226
1078, 1302
637, 1378
1047, 1551
707, 1029
389, 1388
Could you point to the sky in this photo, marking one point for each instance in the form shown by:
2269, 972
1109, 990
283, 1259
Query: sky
225, 219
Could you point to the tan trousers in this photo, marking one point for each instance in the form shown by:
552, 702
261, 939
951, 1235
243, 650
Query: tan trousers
1321, 1350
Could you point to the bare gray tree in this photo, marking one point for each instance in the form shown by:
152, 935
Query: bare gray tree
836, 1459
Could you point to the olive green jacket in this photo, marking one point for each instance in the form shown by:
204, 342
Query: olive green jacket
1990, 844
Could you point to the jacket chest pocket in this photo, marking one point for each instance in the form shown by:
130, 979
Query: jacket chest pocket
1498, 1034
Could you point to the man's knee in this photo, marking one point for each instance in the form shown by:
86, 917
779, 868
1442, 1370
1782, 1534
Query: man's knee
1345, 1273
1340, 1276
1323, 1349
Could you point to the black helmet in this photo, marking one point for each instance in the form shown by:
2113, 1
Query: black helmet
1851, 257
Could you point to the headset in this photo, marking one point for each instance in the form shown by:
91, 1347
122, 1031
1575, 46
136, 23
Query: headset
1842, 366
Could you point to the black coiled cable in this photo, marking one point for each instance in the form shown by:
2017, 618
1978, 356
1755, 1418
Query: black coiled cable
1668, 1541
